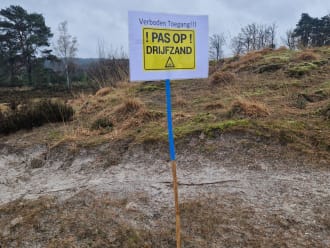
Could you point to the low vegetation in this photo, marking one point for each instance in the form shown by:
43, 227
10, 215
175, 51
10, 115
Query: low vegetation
260, 93
222, 78
30, 115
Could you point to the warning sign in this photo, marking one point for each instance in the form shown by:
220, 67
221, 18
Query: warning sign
167, 46
168, 49
169, 63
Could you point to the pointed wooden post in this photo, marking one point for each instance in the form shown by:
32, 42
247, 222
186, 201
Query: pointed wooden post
173, 163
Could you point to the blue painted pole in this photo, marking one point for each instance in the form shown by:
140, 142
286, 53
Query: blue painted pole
169, 120
173, 163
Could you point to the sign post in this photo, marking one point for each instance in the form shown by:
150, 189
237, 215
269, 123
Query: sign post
173, 162
165, 47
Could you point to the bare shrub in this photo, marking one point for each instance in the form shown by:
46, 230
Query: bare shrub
107, 72
245, 108
222, 77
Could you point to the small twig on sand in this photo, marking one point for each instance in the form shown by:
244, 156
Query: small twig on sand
201, 184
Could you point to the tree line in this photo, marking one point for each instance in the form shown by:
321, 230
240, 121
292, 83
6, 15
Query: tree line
309, 32
27, 57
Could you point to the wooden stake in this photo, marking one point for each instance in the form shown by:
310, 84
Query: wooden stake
177, 209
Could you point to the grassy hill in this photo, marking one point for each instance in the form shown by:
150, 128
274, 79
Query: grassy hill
278, 95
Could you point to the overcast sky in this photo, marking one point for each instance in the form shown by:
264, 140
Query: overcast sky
106, 20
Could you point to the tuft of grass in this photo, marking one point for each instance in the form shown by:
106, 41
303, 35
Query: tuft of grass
149, 115
245, 108
307, 56
213, 106
269, 68
103, 91
102, 123
222, 78
325, 111
282, 49
129, 107
245, 61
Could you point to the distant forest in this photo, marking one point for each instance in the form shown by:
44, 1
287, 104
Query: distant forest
27, 57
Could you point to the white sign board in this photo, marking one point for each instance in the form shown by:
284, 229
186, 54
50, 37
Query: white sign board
166, 46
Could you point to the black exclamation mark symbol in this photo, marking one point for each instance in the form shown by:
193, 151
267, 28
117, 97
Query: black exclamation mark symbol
190, 36
147, 37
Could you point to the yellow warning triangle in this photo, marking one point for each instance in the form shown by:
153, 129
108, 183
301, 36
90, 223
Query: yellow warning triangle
169, 63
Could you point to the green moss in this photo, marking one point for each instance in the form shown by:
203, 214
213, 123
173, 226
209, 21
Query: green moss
203, 117
277, 58
150, 87
325, 88
301, 69
208, 128
102, 122
152, 131
225, 125
320, 62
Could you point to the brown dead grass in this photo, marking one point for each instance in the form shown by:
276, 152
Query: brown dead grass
180, 101
103, 91
93, 220
245, 61
222, 78
282, 49
128, 108
265, 51
246, 108
214, 106
307, 56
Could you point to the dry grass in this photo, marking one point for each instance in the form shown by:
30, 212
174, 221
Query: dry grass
180, 101
104, 91
84, 220
282, 49
246, 108
307, 56
245, 61
4, 108
91, 220
132, 107
265, 51
129, 107
222, 78
214, 106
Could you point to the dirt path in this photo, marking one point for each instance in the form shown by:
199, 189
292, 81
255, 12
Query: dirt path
294, 194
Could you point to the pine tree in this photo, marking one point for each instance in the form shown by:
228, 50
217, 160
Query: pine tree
22, 37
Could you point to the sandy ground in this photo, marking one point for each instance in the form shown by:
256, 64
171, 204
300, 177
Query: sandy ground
298, 192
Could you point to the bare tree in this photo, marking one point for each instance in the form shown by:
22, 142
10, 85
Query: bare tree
217, 41
237, 45
66, 49
110, 68
272, 35
254, 37
290, 40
